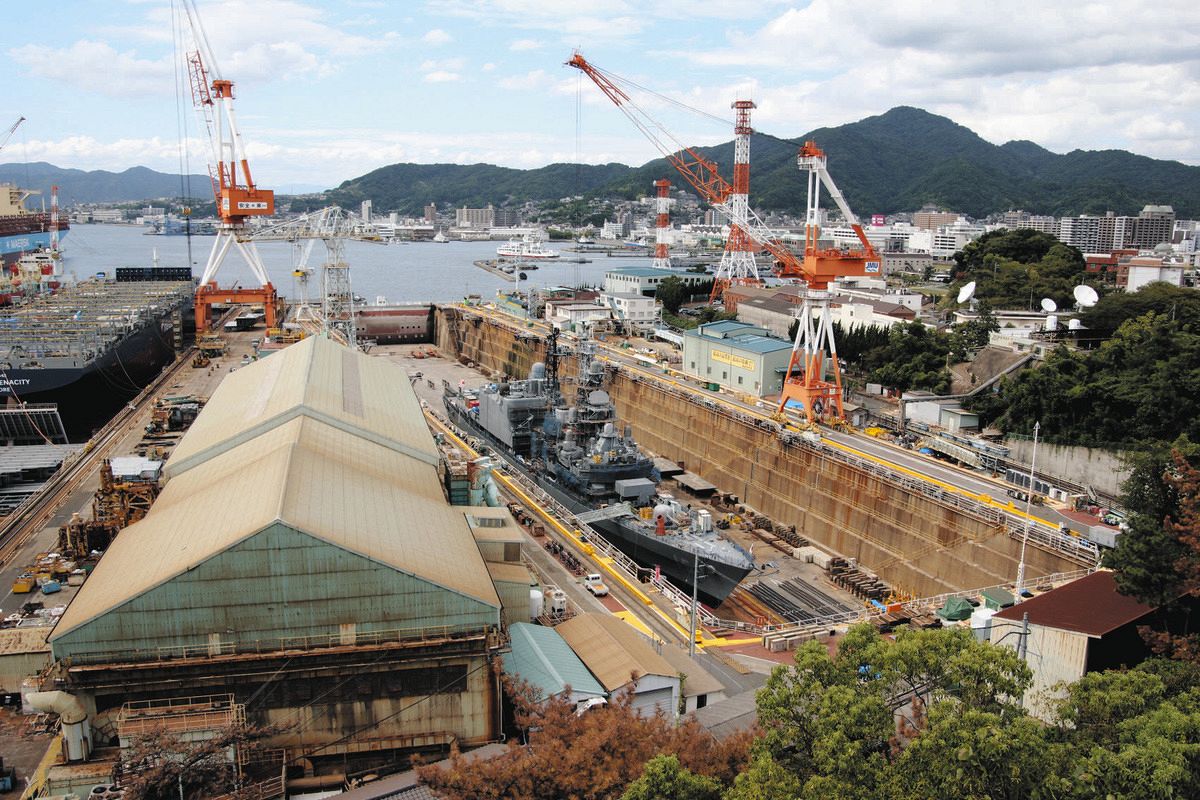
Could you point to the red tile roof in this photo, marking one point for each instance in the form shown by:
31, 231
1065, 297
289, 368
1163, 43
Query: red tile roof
1090, 605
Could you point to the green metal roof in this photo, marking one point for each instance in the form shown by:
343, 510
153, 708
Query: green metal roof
543, 659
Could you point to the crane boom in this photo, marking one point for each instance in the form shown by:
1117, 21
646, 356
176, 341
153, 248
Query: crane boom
237, 198
11, 130
805, 384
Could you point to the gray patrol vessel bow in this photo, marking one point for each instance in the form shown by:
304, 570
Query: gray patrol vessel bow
579, 455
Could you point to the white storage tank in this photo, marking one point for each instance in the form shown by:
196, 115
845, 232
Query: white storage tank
536, 601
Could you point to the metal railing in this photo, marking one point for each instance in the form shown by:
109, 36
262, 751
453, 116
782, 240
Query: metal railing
290, 643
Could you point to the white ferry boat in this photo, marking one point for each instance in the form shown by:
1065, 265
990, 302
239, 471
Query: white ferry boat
526, 249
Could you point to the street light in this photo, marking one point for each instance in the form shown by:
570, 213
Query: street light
1037, 426
697, 576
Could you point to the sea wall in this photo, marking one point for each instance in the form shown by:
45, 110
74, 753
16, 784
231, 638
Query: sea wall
914, 542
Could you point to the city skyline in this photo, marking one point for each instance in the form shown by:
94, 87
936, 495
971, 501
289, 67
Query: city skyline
329, 91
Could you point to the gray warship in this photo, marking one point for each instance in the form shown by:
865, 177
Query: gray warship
578, 453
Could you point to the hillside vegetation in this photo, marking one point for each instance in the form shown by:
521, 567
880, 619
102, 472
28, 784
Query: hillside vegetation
897, 161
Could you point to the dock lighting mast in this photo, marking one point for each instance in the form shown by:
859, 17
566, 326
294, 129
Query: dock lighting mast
237, 197
737, 262
662, 224
816, 268
54, 220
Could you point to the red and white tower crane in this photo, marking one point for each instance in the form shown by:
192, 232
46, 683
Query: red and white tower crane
237, 197
662, 223
806, 383
737, 262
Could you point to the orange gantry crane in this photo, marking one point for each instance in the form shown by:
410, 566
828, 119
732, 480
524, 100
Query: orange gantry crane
238, 198
805, 385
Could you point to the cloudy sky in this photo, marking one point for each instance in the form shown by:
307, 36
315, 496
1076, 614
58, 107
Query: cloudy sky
328, 90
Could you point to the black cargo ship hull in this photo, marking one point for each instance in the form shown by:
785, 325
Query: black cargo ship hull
647, 550
89, 393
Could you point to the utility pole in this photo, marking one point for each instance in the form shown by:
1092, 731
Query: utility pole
697, 576
1037, 426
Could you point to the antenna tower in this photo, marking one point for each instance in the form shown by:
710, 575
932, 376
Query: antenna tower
662, 224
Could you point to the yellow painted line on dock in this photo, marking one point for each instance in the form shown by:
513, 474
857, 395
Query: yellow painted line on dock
631, 619
724, 641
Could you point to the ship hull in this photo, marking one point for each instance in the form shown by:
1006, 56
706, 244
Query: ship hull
647, 550
89, 393
14, 246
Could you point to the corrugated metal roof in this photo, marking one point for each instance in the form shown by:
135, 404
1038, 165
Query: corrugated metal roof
322, 480
543, 659
1090, 605
31, 639
318, 378
612, 650
510, 573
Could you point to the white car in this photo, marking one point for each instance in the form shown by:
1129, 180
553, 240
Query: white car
595, 584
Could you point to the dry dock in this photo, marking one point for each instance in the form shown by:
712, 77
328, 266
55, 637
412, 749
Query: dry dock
919, 541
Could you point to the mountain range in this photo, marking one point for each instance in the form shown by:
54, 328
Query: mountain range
897, 161
100, 186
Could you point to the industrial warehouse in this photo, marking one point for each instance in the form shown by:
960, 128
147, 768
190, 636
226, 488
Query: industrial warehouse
303, 568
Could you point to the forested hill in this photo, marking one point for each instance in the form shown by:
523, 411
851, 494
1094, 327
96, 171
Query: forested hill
893, 162
101, 186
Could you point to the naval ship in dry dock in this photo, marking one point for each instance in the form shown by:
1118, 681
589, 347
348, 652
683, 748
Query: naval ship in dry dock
93, 345
577, 454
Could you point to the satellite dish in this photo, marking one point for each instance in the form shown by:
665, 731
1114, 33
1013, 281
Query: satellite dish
966, 292
1085, 296
1049, 306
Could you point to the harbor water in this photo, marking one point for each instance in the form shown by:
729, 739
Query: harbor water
409, 272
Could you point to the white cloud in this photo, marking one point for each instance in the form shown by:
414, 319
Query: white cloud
441, 76
525, 44
1022, 70
437, 36
448, 64
536, 79
96, 66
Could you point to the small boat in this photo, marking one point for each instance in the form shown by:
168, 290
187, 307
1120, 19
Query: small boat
440, 238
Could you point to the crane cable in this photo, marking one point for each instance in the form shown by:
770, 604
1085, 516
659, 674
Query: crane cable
181, 127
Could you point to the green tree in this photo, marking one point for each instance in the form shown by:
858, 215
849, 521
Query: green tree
1140, 386
913, 358
967, 753
1174, 302
672, 293
663, 778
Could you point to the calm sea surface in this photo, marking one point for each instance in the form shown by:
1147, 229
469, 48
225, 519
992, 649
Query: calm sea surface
411, 272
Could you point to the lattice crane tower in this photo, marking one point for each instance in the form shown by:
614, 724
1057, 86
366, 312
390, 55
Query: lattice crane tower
737, 262
662, 224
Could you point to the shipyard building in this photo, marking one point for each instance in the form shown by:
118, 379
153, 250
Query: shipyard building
303, 564
737, 356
